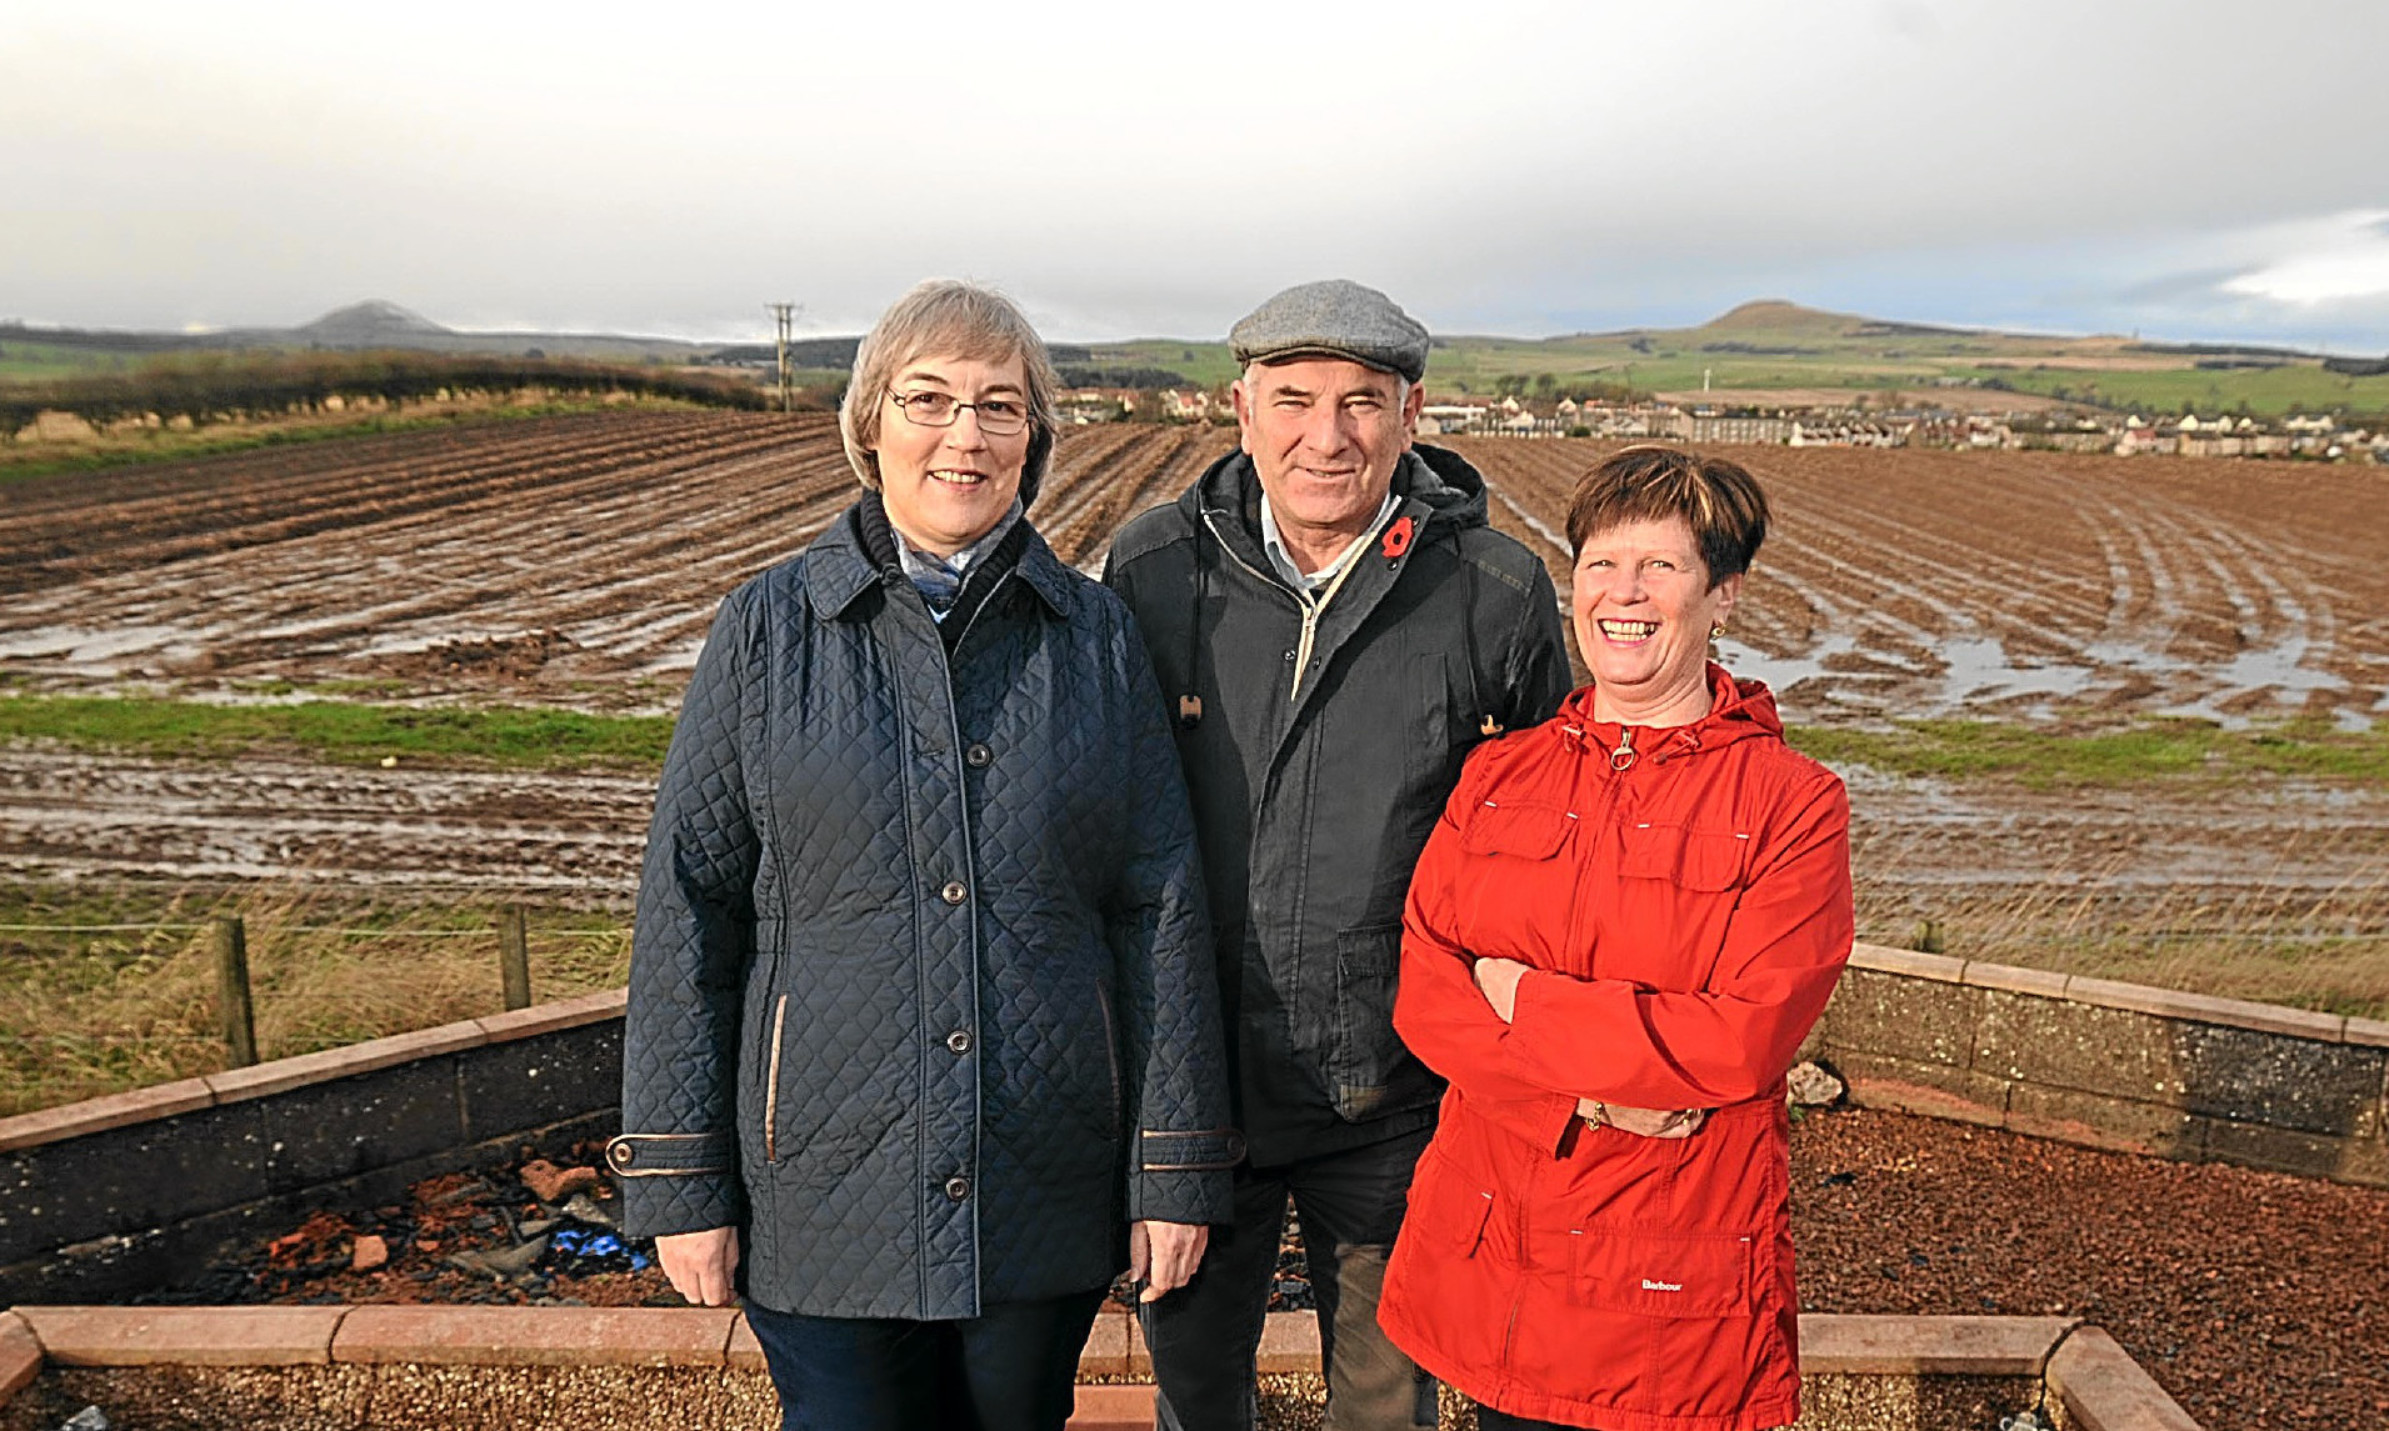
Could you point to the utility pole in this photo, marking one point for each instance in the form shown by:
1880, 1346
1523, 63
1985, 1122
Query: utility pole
784, 317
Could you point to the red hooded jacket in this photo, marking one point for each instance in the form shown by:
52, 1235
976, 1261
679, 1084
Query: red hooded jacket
1686, 910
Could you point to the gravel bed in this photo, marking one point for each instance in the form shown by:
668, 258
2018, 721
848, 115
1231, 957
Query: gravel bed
2259, 1300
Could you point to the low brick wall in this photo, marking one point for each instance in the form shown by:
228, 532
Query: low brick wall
2112, 1065
532, 1368
141, 1189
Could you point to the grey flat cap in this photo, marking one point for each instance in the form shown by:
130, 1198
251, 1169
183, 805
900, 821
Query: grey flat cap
1335, 318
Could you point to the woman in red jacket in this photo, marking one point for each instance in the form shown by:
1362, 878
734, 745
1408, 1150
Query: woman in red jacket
1621, 930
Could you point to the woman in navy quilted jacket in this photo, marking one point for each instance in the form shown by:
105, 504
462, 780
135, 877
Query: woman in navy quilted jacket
923, 1042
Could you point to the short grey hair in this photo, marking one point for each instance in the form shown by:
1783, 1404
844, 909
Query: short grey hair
947, 319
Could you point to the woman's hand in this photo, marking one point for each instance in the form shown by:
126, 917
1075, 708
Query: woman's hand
1497, 980
1643, 1122
700, 1264
1164, 1255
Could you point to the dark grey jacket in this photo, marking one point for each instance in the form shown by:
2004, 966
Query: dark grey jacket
1313, 802
921, 990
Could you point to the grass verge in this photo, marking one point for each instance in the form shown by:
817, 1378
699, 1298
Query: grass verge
342, 732
86, 1014
1981, 750
352, 732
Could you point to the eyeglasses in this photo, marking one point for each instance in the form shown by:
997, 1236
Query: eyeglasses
998, 417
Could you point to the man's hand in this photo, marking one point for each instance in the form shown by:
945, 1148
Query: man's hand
700, 1264
1497, 980
1643, 1122
1164, 1255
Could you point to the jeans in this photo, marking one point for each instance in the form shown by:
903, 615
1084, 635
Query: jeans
1203, 1337
1013, 1368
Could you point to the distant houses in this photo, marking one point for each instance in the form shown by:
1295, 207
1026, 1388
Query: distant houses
2239, 435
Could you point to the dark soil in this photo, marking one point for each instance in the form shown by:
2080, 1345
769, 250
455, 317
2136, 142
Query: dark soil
2259, 1300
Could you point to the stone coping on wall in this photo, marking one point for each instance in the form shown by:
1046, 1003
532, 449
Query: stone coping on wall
2112, 1065
2082, 1369
281, 1075
2115, 994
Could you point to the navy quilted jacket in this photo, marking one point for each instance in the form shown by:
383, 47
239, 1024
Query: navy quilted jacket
921, 990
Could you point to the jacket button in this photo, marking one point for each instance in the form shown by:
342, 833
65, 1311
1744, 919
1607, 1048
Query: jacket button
959, 1040
1289, 655
957, 1189
979, 757
623, 1154
954, 893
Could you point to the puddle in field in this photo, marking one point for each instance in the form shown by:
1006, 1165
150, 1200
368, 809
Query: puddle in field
1978, 666
1781, 673
99, 653
1977, 671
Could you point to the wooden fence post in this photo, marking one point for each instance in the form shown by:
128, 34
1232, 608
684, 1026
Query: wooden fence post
514, 956
232, 992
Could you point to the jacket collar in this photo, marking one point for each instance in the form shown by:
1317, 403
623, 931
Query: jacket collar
1739, 710
839, 568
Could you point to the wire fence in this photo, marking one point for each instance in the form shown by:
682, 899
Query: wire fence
228, 942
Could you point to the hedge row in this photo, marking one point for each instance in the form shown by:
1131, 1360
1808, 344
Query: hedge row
213, 387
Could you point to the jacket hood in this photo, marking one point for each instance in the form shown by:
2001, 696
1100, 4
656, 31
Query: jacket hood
1739, 710
1452, 489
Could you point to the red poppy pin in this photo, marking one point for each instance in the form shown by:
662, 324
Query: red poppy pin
1397, 537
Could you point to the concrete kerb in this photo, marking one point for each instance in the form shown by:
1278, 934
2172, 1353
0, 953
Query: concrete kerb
2081, 1366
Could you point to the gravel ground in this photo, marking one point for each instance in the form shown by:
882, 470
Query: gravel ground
2259, 1300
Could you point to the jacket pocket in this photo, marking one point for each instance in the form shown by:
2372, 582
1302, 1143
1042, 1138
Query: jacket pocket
1663, 1274
1367, 1060
1686, 858
1523, 831
771, 1080
1448, 1207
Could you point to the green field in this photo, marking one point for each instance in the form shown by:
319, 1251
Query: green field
25, 362
1774, 345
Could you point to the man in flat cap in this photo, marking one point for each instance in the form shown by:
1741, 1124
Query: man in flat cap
1334, 626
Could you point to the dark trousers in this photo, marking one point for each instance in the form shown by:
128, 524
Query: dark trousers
1489, 1419
1014, 1368
1203, 1337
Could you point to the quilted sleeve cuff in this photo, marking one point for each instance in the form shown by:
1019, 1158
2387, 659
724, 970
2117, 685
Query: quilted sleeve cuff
677, 1182
671, 1155
1200, 1151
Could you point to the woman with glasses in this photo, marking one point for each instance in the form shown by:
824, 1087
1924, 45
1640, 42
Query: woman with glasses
923, 1043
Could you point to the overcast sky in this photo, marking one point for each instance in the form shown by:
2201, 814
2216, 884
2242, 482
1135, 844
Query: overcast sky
2185, 170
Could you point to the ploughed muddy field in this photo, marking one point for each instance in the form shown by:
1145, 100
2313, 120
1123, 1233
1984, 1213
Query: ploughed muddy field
576, 561
2259, 1301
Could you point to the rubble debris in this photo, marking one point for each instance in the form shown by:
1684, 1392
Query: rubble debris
369, 1252
1812, 1085
550, 1183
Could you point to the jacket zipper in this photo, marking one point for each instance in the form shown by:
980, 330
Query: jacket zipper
771, 1085
1311, 609
1310, 616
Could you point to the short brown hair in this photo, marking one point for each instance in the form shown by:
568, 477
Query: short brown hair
940, 319
1718, 499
